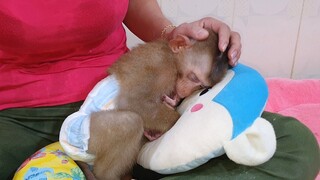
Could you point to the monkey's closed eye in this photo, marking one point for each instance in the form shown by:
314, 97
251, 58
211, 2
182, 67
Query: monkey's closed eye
192, 77
204, 91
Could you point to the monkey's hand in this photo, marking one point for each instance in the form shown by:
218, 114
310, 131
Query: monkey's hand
152, 134
171, 102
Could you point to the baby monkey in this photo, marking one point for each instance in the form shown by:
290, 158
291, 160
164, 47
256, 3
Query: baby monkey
153, 78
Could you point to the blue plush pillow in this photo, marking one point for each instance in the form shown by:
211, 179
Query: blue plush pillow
223, 119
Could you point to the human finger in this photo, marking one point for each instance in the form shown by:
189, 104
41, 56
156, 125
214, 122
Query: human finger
192, 30
219, 27
235, 48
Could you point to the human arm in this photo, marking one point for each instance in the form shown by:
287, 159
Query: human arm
145, 19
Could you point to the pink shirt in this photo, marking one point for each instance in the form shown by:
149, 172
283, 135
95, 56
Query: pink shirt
54, 52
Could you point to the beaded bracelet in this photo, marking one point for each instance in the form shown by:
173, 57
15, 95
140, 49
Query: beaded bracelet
165, 29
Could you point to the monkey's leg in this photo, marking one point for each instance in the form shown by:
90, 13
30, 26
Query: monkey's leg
115, 139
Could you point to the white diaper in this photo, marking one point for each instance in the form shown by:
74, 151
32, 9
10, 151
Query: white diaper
74, 133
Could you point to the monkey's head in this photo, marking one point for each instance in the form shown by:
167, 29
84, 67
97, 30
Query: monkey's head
200, 63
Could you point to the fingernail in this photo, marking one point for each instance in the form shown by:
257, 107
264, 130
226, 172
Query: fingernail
234, 55
224, 47
202, 33
235, 63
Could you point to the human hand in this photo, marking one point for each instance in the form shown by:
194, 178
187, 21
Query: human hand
196, 30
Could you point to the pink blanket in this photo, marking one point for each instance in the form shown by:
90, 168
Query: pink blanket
296, 98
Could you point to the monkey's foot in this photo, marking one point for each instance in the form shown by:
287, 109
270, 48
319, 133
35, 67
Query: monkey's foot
152, 135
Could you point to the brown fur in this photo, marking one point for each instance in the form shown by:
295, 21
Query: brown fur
115, 148
145, 74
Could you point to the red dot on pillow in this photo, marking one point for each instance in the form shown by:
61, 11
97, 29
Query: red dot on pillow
196, 107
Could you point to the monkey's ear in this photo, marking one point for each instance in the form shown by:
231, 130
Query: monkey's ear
179, 43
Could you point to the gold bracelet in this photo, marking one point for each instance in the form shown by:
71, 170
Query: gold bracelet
164, 30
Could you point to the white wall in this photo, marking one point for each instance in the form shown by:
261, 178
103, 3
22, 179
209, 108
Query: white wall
280, 38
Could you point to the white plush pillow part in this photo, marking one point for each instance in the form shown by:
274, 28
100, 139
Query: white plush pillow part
199, 143
195, 138
254, 146
225, 119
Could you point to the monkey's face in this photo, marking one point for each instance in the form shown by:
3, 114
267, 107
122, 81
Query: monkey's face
195, 61
192, 76
193, 73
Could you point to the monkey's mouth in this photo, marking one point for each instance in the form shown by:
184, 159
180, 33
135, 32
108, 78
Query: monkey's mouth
172, 100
